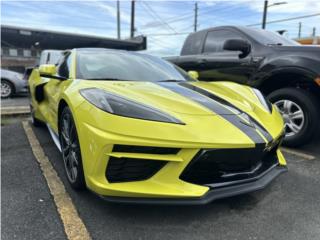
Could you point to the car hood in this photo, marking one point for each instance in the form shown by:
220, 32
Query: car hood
186, 98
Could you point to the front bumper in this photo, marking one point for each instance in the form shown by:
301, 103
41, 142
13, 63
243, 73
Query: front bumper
22, 87
99, 133
213, 194
166, 185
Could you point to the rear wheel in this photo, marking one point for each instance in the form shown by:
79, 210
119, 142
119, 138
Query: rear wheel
299, 109
70, 150
7, 89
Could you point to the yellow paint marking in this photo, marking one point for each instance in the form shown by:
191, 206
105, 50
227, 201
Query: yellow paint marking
73, 225
297, 153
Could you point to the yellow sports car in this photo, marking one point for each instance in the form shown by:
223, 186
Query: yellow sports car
135, 128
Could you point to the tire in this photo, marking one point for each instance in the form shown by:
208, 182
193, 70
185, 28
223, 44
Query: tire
7, 89
300, 110
70, 150
35, 122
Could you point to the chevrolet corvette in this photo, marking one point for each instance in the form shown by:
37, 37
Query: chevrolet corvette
135, 128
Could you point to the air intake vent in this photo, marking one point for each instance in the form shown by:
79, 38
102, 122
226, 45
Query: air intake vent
144, 149
227, 165
129, 169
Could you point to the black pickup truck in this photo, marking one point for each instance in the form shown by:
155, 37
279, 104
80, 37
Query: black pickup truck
286, 72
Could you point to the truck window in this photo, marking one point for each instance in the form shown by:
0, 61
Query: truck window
193, 43
54, 57
215, 40
43, 58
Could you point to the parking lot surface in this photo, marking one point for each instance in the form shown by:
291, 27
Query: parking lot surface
288, 209
16, 101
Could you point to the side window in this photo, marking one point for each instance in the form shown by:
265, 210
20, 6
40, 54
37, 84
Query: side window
192, 44
215, 40
64, 66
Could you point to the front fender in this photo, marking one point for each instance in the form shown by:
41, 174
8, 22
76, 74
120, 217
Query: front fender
300, 66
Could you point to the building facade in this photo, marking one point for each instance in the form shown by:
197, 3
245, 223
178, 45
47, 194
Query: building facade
21, 47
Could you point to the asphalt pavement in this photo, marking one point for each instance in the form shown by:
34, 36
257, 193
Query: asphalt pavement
288, 209
27, 208
16, 101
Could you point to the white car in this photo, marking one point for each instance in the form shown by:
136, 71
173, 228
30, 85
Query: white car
12, 83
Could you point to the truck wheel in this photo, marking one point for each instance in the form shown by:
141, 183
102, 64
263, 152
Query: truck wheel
299, 109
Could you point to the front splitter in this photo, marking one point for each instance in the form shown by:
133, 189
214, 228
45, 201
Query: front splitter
211, 195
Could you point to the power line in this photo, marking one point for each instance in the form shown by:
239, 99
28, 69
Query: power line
286, 19
158, 17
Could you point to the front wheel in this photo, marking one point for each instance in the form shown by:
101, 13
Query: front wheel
6, 89
299, 109
70, 150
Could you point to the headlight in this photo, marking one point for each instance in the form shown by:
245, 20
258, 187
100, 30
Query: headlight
263, 100
121, 106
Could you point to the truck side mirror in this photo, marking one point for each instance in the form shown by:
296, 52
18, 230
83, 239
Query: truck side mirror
193, 74
238, 45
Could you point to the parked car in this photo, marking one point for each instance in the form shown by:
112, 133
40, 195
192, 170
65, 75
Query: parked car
285, 71
136, 128
12, 83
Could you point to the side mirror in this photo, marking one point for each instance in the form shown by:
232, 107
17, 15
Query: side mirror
238, 45
50, 71
193, 74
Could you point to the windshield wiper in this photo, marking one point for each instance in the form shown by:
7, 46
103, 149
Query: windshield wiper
170, 80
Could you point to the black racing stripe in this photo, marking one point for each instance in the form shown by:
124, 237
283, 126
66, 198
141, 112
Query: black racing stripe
228, 112
210, 95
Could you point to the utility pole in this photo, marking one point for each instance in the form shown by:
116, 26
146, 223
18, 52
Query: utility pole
264, 16
195, 16
118, 18
265, 10
299, 32
132, 19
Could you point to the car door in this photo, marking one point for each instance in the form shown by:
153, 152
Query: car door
54, 88
217, 64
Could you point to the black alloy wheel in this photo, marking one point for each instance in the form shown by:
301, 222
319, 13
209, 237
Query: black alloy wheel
70, 150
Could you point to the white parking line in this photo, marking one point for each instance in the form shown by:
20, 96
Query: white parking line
15, 110
298, 153
72, 223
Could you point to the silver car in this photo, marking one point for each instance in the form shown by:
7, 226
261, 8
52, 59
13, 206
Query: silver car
12, 83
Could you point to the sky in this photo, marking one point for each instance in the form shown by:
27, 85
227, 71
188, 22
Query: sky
165, 23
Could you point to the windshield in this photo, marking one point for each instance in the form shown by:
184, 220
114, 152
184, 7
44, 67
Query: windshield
269, 38
126, 66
